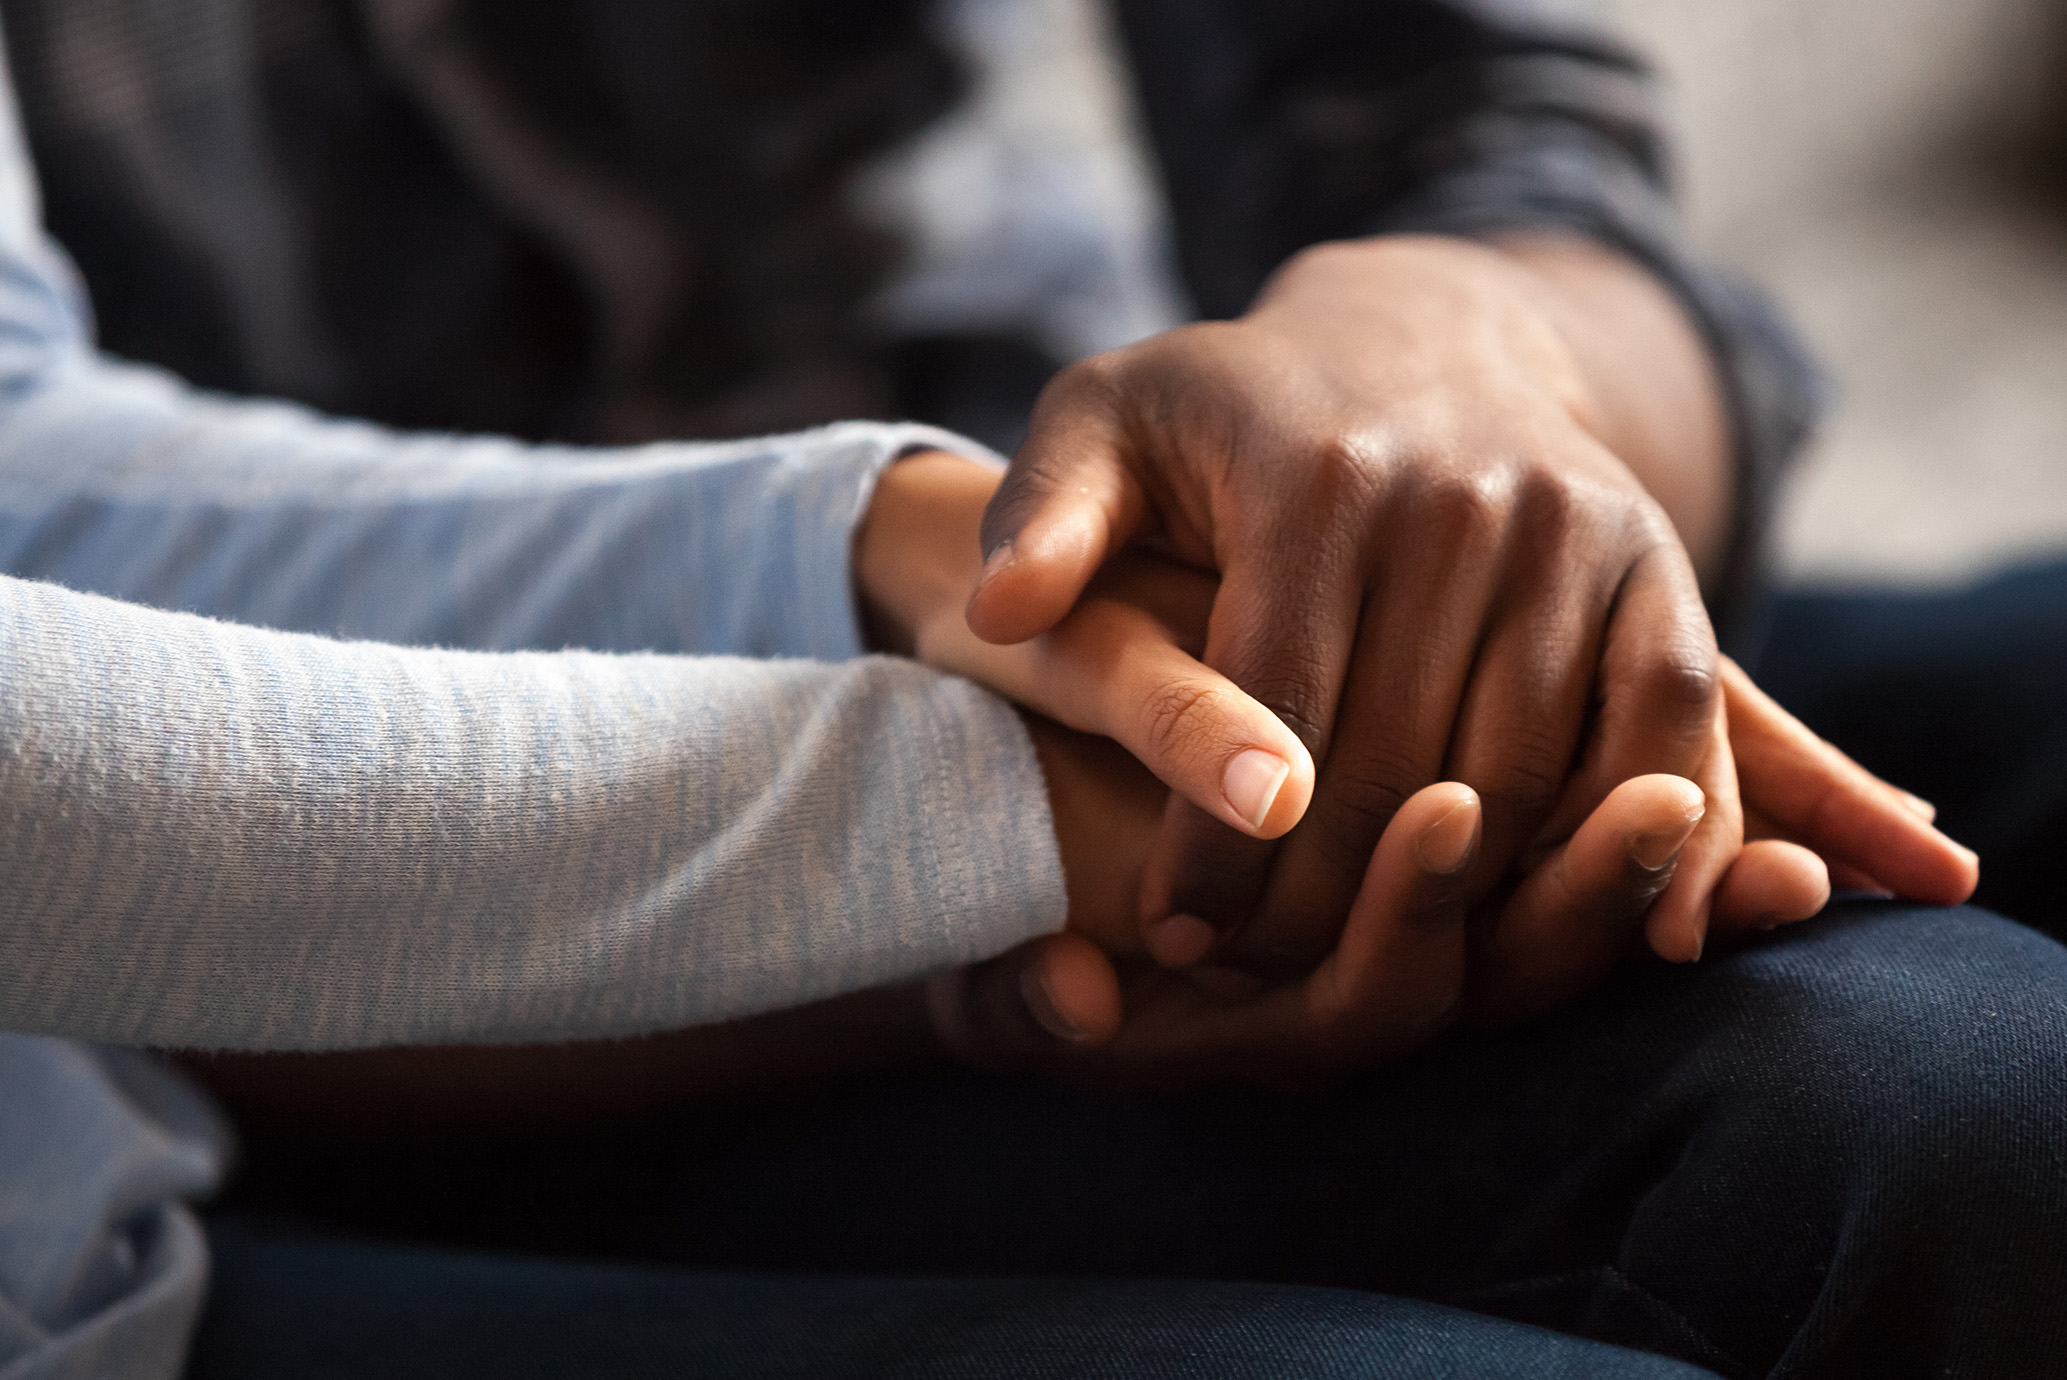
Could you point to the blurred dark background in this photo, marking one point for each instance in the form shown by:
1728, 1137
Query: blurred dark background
1896, 172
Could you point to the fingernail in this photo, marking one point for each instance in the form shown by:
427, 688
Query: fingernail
1653, 850
1033, 988
1445, 846
1918, 806
1179, 941
1002, 555
1252, 782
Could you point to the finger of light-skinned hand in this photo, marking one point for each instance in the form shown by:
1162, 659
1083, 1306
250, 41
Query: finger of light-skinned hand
1579, 911
1677, 927
1113, 668
1068, 502
1825, 801
1772, 883
1396, 978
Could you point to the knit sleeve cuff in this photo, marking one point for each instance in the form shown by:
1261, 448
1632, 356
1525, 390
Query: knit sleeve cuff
833, 482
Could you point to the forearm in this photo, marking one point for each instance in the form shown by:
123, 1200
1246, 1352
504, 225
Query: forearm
221, 837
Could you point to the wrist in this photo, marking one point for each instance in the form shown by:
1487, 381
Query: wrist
1464, 329
1657, 395
917, 551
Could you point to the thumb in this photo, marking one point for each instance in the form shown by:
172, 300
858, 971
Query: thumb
1066, 504
1040, 1003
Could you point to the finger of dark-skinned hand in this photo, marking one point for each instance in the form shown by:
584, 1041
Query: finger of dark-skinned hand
1414, 650
1069, 501
1395, 978
1658, 692
1284, 633
1822, 799
1581, 909
1519, 730
1037, 1006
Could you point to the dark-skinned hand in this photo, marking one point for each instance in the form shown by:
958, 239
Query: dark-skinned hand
1433, 564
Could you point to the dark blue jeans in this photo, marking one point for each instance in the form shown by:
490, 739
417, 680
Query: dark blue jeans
1839, 1153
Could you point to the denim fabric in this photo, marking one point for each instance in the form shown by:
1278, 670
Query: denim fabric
293, 1308
1839, 1153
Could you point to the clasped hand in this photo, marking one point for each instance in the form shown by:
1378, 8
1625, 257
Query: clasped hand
1374, 526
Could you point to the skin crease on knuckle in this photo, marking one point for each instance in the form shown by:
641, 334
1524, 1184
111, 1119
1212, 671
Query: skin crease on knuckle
1170, 717
1464, 514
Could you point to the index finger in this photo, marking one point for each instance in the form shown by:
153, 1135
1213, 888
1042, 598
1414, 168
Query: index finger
1282, 629
1067, 503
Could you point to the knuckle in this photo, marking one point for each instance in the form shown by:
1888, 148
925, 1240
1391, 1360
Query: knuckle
1683, 682
1176, 714
1346, 456
1549, 500
1325, 492
1649, 523
1464, 510
1203, 357
1293, 689
1094, 386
